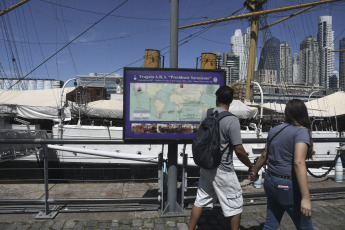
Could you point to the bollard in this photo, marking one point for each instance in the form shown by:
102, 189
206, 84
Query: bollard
165, 178
338, 171
257, 184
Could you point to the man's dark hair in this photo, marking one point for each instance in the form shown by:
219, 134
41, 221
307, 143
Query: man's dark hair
224, 95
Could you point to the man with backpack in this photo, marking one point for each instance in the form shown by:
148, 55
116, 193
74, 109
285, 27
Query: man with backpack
219, 180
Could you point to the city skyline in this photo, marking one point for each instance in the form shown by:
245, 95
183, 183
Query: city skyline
121, 38
314, 64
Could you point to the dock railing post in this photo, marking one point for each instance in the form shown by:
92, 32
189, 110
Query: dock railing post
46, 214
172, 208
184, 176
339, 170
160, 180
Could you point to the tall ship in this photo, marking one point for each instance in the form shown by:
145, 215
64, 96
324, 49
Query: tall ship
82, 112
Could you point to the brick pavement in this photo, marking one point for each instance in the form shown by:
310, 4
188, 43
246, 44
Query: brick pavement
326, 214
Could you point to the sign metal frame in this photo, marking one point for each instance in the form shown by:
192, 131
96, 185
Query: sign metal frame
144, 130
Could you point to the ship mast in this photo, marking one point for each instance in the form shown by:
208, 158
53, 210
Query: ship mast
255, 6
13, 7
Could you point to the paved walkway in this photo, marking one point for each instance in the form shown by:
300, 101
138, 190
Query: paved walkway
326, 214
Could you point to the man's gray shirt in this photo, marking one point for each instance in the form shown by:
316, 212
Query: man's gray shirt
230, 132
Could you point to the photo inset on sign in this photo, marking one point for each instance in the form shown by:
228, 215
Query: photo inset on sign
187, 128
137, 128
162, 128
169, 128
150, 128
195, 127
174, 128
144, 128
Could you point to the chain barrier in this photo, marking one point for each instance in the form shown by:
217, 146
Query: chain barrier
327, 172
310, 173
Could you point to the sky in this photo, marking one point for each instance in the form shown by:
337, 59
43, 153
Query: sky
60, 39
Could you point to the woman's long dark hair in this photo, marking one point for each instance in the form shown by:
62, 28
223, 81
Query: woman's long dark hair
296, 113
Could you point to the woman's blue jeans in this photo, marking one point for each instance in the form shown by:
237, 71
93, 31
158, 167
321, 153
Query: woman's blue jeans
283, 195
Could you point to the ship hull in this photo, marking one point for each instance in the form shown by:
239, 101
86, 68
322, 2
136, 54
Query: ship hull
148, 153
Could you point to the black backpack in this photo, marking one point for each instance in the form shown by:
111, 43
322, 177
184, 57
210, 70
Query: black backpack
206, 143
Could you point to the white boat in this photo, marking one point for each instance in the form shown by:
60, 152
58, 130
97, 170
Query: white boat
144, 154
141, 154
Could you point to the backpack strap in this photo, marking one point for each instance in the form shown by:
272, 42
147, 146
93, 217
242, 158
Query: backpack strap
209, 112
221, 115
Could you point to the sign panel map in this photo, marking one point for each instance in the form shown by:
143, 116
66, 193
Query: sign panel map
166, 103
170, 102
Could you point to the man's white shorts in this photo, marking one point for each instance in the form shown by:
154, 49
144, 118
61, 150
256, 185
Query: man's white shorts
223, 185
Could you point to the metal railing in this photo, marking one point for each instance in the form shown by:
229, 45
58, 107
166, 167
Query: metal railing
49, 213
10, 151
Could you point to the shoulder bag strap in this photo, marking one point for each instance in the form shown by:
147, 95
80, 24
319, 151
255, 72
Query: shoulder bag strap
268, 142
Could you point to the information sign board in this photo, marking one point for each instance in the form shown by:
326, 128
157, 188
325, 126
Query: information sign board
167, 104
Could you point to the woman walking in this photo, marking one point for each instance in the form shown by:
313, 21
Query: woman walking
286, 184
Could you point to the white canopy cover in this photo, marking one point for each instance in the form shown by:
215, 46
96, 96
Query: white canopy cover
101, 108
328, 106
114, 109
276, 107
242, 111
44, 104
35, 104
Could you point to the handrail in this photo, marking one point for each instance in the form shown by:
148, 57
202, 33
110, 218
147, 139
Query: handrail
79, 201
122, 142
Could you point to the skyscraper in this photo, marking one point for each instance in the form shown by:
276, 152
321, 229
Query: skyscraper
285, 63
218, 58
231, 65
246, 46
295, 69
309, 62
325, 39
269, 58
266, 76
342, 65
334, 80
237, 48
